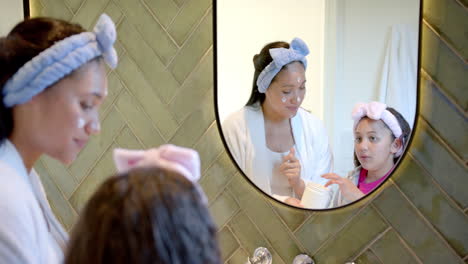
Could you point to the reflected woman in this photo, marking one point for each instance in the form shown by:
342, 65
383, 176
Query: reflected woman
277, 144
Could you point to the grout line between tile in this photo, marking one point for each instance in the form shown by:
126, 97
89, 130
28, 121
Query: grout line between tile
79, 9
159, 22
142, 108
410, 250
288, 230
180, 8
439, 86
371, 242
238, 243
237, 239
57, 186
95, 162
222, 190
130, 128
131, 57
437, 184
213, 123
269, 244
309, 216
426, 221
380, 260
67, 6
332, 236
432, 131
444, 39
195, 68
462, 5
189, 36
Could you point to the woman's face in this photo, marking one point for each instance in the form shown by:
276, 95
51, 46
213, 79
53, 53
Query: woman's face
66, 114
374, 145
286, 92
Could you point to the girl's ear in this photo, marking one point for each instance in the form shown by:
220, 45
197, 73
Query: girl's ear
396, 147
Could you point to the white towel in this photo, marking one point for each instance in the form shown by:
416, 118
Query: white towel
399, 72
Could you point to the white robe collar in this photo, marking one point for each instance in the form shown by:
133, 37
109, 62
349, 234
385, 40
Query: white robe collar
10, 155
254, 118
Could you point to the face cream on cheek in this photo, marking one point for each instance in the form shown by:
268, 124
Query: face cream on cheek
283, 99
80, 123
95, 126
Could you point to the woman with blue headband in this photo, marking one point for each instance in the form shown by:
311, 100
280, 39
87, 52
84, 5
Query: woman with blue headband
52, 83
277, 144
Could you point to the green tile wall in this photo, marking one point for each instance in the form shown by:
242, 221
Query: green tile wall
162, 91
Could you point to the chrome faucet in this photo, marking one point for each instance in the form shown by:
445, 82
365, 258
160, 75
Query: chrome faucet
261, 256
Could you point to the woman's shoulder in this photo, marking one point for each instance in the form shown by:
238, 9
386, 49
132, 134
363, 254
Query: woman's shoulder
232, 120
312, 123
306, 114
238, 117
14, 192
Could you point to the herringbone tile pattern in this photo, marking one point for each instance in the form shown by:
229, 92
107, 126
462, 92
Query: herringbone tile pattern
162, 91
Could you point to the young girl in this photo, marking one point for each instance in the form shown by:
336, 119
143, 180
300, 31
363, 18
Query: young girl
152, 212
380, 136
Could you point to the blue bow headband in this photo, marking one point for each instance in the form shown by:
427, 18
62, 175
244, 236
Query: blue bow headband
61, 59
281, 57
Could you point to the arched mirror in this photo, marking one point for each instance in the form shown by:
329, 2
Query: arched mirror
295, 138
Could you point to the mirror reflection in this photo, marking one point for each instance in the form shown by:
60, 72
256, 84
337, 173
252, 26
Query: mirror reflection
289, 89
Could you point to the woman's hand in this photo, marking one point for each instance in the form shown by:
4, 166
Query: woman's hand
291, 168
347, 188
293, 201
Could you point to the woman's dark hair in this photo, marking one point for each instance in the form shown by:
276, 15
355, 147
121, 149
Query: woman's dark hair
25, 41
148, 215
405, 133
260, 61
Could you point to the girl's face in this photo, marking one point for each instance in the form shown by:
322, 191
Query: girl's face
66, 114
285, 94
374, 145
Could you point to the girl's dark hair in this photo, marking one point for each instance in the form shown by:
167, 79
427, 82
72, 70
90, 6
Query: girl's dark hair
405, 134
260, 61
148, 215
25, 41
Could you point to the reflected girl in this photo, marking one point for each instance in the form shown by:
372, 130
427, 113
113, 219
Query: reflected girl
381, 134
277, 144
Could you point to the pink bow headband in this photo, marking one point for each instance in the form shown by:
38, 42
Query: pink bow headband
377, 111
182, 160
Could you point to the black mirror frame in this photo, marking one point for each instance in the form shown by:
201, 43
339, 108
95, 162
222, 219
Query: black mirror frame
26, 10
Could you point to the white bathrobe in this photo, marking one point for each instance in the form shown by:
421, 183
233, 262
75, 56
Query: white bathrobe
29, 231
399, 72
244, 132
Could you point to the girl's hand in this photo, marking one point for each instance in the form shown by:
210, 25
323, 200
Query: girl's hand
347, 188
291, 168
293, 201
